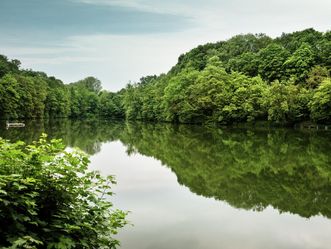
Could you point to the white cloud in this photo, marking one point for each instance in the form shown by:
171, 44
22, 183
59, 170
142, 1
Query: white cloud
114, 59
117, 59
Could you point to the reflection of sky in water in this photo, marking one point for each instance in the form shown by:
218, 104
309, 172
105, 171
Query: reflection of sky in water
167, 215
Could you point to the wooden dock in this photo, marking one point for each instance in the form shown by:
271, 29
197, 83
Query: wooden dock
312, 126
14, 125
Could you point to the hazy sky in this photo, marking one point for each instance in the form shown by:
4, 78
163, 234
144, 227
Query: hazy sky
122, 40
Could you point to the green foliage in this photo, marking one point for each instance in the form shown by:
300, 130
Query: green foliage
111, 105
271, 60
324, 53
320, 104
246, 78
8, 97
7, 66
286, 102
33, 93
132, 102
246, 63
316, 75
57, 103
292, 41
84, 98
49, 199
249, 77
90, 84
25, 94
299, 64
176, 97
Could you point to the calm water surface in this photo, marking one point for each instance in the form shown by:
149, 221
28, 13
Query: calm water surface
205, 188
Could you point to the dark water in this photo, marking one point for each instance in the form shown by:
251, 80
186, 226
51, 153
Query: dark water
204, 188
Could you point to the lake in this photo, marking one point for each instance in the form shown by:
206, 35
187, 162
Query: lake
204, 187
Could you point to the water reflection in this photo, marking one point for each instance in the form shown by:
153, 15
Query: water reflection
87, 135
250, 169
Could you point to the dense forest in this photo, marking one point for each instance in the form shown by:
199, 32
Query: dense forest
26, 94
247, 78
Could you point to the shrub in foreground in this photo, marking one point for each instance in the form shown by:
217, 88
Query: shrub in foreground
49, 199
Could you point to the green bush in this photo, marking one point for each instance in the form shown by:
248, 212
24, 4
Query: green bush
49, 199
320, 104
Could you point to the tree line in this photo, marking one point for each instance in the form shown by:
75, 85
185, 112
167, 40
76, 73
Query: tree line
247, 78
27, 94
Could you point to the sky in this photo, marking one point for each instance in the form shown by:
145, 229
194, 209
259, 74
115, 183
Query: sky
120, 41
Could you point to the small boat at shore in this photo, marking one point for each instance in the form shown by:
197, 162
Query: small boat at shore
12, 125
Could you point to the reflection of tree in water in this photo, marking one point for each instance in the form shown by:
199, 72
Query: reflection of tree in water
287, 169
86, 135
250, 169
